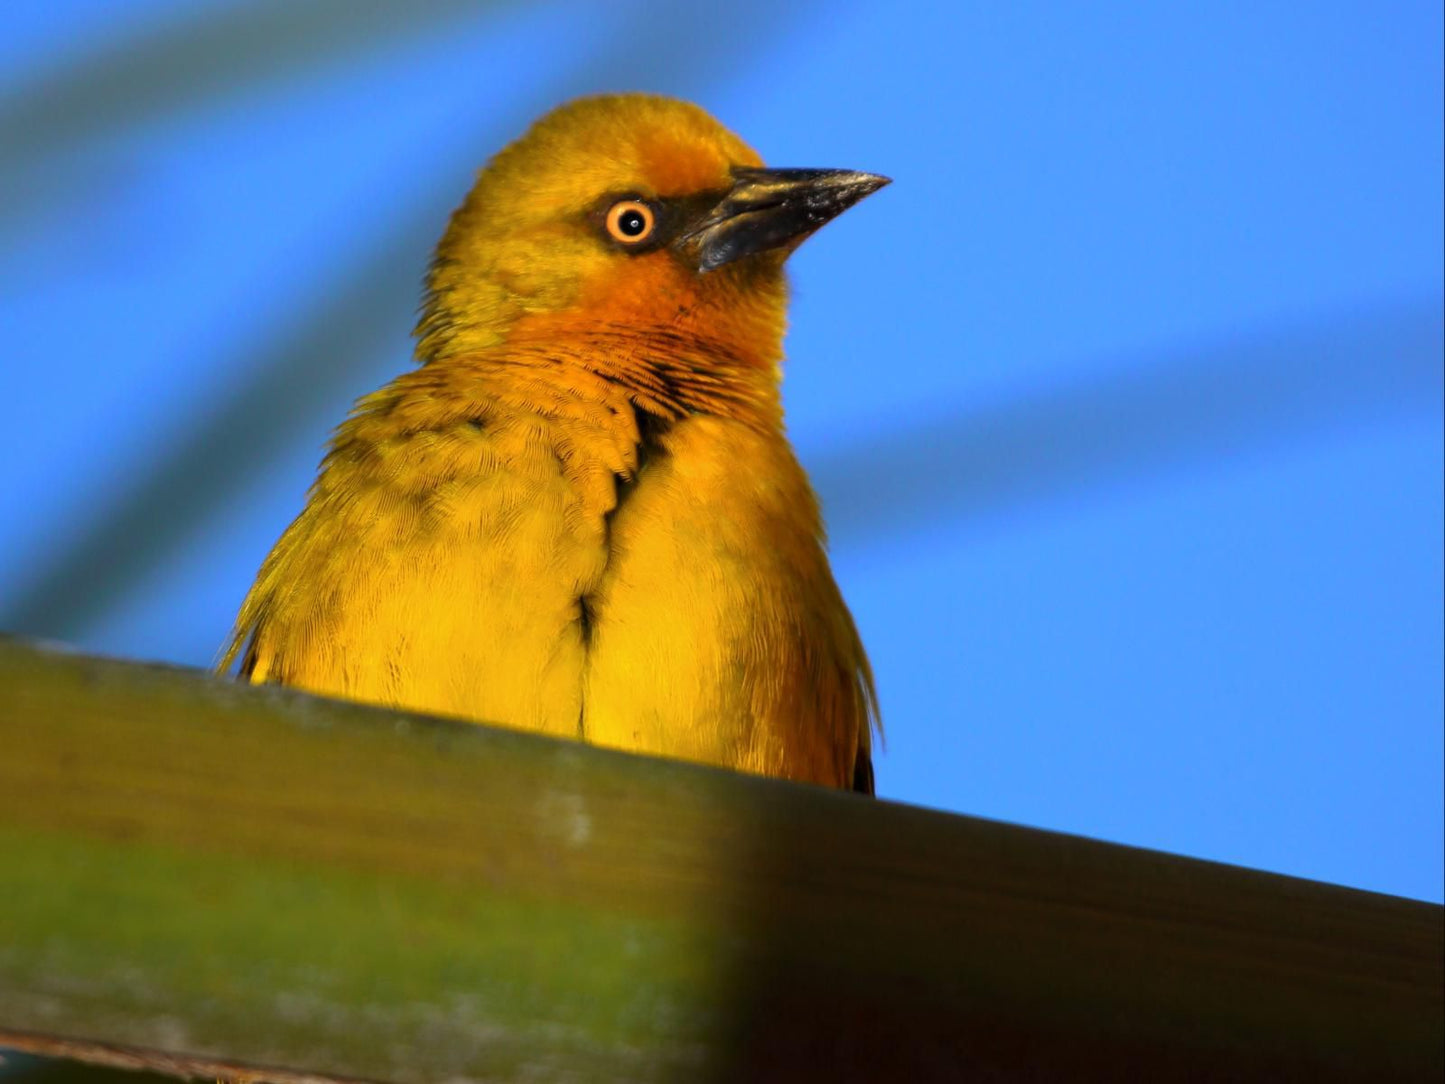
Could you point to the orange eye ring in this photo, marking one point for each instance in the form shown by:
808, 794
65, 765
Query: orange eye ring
630, 222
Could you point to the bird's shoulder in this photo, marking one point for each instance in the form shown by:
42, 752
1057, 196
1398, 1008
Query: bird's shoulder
441, 472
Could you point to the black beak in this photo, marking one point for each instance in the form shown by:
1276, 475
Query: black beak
770, 208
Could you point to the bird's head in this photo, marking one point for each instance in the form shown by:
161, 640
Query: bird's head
627, 214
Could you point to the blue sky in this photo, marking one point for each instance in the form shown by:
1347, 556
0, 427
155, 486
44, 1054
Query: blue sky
1124, 400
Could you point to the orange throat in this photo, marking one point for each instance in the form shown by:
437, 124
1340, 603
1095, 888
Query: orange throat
675, 342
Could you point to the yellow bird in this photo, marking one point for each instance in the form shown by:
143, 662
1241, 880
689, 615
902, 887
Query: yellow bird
580, 515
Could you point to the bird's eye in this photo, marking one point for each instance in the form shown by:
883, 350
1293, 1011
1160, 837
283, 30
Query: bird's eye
630, 221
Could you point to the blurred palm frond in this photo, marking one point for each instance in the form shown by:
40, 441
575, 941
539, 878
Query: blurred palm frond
187, 62
204, 54
1207, 408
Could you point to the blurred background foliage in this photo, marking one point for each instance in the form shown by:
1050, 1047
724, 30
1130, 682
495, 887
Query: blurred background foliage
1124, 402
